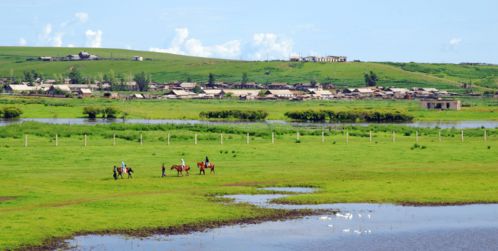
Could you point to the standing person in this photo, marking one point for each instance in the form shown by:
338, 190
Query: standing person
183, 164
130, 172
163, 169
115, 173
206, 162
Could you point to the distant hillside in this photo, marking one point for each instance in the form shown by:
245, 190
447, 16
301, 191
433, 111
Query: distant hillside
168, 67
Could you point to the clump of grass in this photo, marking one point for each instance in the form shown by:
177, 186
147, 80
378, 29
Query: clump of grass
298, 141
415, 146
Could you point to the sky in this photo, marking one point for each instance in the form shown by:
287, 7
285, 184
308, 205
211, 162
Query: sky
444, 31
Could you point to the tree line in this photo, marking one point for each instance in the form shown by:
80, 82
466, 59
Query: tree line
235, 114
349, 116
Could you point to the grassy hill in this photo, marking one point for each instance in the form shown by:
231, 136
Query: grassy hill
169, 67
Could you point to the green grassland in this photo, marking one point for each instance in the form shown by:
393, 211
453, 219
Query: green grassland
169, 67
48, 191
475, 109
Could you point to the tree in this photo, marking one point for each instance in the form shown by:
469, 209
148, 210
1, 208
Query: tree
91, 111
142, 81
211, 80
197, 89
75, 76
371, 79
110, 112
245, 79
11, 112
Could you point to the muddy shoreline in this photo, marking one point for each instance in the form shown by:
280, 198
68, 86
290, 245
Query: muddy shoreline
275, 215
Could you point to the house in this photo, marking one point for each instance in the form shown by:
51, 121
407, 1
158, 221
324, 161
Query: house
241, 93
59, 89
111, 95
321, 94
136, 96
84, 92
278, 86
215, 93
281, 94
182, 94
441, 104
248, 85
188, 86
138, 58
18, 89
46, 58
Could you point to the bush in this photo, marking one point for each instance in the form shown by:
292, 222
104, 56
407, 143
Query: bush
348, 116
11, 112
92, 111
235, 114
110, 112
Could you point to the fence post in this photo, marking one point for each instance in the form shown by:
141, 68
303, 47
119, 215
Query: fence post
462, 135
394, 136
195, 139
416, 137
56, 140
221, 138
114, 139
347, 137
273, 137
485, 135
247, 138
168, 138
297, 136
370, 136
439, 135
141, 139
323, 136
25, 140
85, 140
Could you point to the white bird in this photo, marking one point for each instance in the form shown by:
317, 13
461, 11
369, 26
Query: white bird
369, 216
357, 231
330, 225
346, 230
359, 216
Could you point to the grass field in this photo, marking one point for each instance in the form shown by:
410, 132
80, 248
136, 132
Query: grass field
48, 191
475, 109
168, 67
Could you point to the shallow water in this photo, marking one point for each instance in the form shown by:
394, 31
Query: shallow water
358, 226
81, 121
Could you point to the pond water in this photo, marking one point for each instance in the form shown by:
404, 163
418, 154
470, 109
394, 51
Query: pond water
357, 226
463, 124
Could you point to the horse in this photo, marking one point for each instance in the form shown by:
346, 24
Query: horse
180, 170
202, 168
121, 171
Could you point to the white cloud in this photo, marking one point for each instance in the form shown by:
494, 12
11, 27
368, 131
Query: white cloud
82, 17
22, 42
70, 45
454, 42
57, 40
47, 36
270, 46
93, 38
182, 44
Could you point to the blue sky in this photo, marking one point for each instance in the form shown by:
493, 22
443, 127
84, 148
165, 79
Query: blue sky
383, 30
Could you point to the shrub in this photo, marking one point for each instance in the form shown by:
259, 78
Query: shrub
235, 114
110, 112
348, 116
92, 111
11, 112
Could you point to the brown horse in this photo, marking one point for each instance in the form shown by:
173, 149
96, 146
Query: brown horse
202, 168
180, 170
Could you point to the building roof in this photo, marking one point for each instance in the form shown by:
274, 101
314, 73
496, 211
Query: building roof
85, 91
182, 93
212, 91
242, 92
280, 92
393, 89
64, 88
187, 85
21, 88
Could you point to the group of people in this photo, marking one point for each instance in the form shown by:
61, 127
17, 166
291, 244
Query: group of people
183, 165
118, 171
